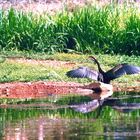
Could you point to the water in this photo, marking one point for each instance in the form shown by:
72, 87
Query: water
71, 118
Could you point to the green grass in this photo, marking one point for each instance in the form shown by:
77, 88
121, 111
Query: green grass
13, 71
111, 29
26, 72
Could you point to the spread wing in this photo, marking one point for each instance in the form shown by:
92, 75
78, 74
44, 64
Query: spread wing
83, 72
87, 107
122, 69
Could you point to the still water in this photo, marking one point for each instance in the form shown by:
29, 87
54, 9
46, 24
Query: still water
71, 118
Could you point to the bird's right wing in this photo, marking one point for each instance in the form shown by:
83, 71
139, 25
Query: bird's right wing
83, 72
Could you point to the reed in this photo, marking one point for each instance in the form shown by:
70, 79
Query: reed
110, 29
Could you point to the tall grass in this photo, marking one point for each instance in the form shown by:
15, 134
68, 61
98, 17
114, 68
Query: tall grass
110, 29
26, 32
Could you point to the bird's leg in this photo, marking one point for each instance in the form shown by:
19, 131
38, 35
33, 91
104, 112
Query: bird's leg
100, 77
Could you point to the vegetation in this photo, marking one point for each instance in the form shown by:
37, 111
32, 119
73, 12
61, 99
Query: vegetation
110, 29
114, 30
25, 71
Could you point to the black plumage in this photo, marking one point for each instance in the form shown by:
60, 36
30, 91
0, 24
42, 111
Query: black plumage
102, 76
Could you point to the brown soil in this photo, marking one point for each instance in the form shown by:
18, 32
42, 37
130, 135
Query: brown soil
45, 89
50, 63
36, 89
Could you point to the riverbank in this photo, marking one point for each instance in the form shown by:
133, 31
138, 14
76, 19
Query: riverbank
26, 74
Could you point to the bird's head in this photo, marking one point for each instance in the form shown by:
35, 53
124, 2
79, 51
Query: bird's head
92, 58
98, 64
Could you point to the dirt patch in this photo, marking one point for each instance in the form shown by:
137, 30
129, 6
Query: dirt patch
45, 89
37, 89
50, 63
125, 87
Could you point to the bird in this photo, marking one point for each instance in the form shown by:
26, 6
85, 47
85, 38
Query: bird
101, 75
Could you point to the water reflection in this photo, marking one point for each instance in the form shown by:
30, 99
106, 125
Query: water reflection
117, 104
89, 118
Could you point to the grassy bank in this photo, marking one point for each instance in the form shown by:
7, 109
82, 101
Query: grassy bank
110, 29
32, 71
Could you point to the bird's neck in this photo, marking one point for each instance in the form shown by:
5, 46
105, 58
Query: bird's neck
99, 67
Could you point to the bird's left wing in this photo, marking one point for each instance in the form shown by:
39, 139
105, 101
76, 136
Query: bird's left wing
123, 69
83, 72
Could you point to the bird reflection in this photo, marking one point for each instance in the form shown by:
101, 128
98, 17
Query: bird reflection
117, 104
87, 107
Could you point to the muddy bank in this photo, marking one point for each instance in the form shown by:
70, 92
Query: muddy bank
44, 89
38, 89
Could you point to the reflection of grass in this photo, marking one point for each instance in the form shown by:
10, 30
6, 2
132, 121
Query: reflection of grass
68, 99
68, 121
108, 113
